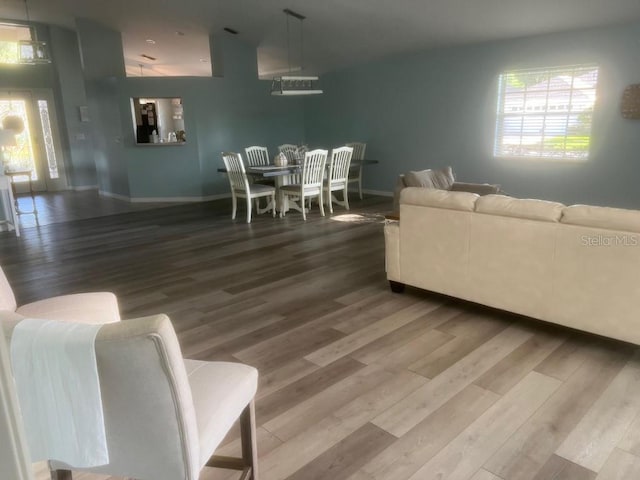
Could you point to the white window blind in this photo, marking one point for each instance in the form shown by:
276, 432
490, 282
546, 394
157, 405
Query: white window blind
546, 112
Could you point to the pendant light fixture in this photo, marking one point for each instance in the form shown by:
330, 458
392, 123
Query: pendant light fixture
287, 85
32, 52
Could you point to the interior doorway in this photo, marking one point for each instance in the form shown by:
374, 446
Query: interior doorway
37, 147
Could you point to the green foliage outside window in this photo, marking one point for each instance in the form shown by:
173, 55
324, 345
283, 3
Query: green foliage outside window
8, 52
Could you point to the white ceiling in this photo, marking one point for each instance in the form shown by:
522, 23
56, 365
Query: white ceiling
336, 32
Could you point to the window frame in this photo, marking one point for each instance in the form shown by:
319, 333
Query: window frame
31, 30
545, 112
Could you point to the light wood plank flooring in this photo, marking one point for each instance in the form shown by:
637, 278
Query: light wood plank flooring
56, 207
356, 383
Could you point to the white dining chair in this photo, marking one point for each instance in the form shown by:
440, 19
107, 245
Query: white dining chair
241, 188
338, 176
355, 176
310, 185
257, 156
290, 152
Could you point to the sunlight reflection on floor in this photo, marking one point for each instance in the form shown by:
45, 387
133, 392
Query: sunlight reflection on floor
359, 218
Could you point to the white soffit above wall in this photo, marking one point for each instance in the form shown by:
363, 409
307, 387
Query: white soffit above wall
185, 54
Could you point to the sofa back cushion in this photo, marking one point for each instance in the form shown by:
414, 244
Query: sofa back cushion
426, 197
434, 244
511, 262
531, 209
595, 281
441, 179
602, 217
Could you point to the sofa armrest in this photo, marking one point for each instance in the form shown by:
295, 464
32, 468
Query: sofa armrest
396, 192
478, 188
392, 250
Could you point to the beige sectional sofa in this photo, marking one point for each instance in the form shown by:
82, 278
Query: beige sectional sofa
577, 266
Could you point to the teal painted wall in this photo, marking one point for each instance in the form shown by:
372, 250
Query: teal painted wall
437, 108
77, 136
224, 113
221, 114
103, 67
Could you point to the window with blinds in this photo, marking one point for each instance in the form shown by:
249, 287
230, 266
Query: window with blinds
546, 112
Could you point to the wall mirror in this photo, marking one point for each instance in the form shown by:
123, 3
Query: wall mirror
158, 121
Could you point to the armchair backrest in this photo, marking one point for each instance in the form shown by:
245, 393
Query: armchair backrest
7, 298
148, 408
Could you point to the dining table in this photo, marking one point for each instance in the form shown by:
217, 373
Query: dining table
283, 175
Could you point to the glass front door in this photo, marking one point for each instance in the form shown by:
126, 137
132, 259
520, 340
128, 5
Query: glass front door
36, 149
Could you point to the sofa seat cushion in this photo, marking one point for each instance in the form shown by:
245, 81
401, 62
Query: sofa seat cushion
94, 308
438, 198
441, 179
602, 217
220, 391
531, 209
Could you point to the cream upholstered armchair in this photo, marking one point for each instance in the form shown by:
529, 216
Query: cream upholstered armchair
94, 307
165, 416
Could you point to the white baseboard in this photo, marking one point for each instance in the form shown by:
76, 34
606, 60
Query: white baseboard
82, 188
382, 193
202, 198
205, 198
117, 196
125, 198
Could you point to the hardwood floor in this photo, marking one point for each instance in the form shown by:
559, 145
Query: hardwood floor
356, 383
56, 207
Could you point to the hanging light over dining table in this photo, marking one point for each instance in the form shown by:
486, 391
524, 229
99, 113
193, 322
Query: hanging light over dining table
287, 85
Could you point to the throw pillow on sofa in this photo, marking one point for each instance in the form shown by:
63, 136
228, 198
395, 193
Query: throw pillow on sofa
440, 179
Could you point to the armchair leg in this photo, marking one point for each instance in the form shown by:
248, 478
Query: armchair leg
248, 464
248, 438
61, 475
396, 287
